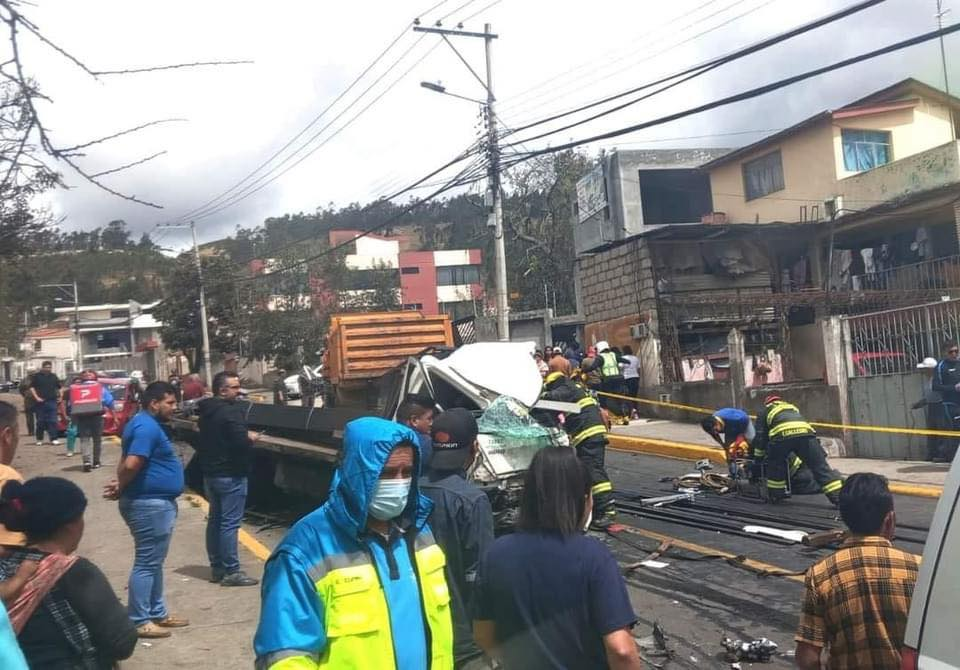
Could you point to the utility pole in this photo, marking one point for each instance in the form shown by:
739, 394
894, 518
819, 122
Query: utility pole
203, 301
941, 12
78, 349
495, 213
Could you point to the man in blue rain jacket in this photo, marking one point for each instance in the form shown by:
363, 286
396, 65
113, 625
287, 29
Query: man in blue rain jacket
359, 582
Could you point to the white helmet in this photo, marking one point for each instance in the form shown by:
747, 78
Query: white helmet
602, 346
928, 364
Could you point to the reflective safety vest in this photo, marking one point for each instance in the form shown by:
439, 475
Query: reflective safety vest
583, 425
785, 421
357, 618
610, 367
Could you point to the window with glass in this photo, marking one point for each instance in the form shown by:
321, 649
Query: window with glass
458, 275
865, 149
763, 175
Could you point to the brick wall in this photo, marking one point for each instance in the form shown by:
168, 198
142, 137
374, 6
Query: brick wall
617, 282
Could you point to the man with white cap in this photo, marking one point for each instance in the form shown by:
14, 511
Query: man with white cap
932, 405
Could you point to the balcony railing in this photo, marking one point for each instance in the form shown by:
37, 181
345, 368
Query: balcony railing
939, 273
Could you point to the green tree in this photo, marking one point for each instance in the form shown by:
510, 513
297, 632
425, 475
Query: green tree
180, 310
115, 236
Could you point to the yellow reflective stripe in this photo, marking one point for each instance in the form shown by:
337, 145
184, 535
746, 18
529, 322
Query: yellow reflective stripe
759, 453
592, 431
833, 487
602, 487
553, 376
792, 428
293, 663
586, 402
436, 604
780, 407
777, 484
720, 421
795, 464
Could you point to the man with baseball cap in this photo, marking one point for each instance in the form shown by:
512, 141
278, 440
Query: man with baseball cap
462, 522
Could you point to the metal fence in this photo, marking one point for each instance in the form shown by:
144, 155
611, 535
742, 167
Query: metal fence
934, 274
894, 341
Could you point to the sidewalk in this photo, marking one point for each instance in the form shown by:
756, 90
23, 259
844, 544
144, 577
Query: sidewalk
223, 620
685, 440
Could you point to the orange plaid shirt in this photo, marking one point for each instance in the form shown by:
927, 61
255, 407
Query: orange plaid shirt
856, 603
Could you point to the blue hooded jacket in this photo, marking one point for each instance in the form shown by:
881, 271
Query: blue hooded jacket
334, 537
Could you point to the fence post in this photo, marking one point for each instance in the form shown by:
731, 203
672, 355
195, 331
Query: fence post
838, 361
737, 367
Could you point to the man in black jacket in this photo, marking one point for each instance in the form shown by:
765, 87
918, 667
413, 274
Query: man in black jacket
462, 522
225, 447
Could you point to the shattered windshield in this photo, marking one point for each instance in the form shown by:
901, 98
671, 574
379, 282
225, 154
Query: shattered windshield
509, 436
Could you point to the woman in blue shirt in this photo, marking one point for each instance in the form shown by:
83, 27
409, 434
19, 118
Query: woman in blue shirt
549, 596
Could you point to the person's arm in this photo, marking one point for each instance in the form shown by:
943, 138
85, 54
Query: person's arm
89, 593
610, 610
291, 632
811, 635
138, 453
236, 431
10, 588
485, 635
107, 398
621, 650
478, 531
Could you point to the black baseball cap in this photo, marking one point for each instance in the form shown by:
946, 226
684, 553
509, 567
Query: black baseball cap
454, 432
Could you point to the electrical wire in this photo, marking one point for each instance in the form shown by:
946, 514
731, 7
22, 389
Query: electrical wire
745, 95
251, 189
697, 70
315, 119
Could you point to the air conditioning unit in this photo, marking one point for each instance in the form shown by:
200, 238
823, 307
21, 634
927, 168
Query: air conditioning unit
833, 207
640, 331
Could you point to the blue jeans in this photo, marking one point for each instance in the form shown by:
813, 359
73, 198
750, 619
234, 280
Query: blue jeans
151, 522
46, 413
227, 497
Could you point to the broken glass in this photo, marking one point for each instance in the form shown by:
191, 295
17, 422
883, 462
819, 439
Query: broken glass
509, 436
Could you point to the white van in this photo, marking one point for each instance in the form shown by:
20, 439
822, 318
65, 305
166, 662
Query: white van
931, 641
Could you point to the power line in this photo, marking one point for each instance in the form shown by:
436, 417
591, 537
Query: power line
525, 98
315, 120
250, 190
696, 70
558, 95
745, 95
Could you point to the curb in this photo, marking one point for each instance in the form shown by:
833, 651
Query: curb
695, 452
255, 547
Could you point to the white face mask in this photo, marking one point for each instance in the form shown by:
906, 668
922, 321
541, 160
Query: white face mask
389, 498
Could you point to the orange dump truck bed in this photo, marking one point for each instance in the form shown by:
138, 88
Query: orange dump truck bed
366, 345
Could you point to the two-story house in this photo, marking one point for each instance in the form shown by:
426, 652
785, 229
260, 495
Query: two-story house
881, 175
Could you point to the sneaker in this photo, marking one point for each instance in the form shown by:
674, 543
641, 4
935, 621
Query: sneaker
55, 443
238, 579
87, 467
39, 443
70, 453
97, 466
216, 575
171, 621
150, 630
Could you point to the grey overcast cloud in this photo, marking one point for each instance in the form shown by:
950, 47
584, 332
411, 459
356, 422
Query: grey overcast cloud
550, 57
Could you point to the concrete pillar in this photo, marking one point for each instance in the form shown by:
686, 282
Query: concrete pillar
816, 263
737, 368
836, 357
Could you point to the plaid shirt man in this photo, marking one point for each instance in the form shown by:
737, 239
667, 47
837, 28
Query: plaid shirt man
856, 603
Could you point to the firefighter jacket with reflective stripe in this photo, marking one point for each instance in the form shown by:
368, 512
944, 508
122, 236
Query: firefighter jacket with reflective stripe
779, 421
327, 597
588, 423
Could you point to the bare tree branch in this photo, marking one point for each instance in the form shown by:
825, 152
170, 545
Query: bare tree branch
178, 66
128, 165
116, 135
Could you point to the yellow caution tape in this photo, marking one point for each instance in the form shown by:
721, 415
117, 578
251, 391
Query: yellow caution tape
816, 424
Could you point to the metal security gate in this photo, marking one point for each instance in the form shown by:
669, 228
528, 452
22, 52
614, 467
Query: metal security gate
882, 351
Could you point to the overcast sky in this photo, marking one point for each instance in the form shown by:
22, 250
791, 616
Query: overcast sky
551, 55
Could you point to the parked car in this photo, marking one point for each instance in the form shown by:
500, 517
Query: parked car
292, 383
931, 641
9, 386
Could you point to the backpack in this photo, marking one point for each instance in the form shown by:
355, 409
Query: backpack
86, 399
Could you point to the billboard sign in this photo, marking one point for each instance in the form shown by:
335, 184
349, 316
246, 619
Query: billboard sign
591, 194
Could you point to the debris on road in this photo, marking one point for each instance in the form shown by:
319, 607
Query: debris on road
756, 650
655, 646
